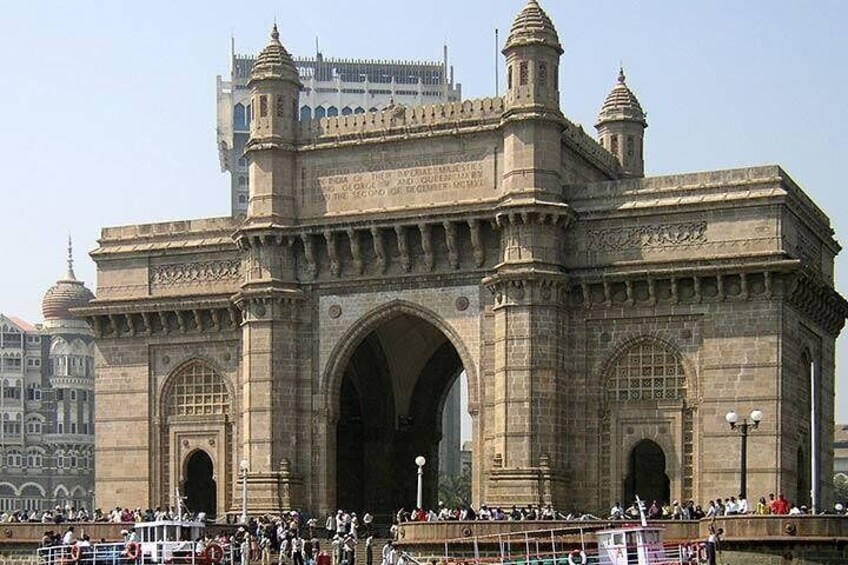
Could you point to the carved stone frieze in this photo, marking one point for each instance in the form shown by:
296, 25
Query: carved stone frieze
656, 235
193, 273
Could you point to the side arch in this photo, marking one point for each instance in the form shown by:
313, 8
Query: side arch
647, 390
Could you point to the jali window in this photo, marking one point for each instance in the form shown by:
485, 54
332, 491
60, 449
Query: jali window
647, 371
198, 391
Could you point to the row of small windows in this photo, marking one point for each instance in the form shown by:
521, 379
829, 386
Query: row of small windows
322, 112
524, 74
631, 147
35, 458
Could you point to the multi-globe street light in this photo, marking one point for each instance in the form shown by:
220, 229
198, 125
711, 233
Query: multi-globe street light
733, 419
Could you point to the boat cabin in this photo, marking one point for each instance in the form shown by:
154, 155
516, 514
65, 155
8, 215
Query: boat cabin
632, 545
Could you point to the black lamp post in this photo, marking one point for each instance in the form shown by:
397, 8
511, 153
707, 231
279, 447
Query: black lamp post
733, 419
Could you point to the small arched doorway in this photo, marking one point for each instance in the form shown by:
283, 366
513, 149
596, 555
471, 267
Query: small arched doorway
646, 476
199, 485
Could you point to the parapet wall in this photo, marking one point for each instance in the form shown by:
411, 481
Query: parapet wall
468, 112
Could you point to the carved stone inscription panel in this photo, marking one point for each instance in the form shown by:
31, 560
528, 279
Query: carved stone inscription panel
652, 235
382, 179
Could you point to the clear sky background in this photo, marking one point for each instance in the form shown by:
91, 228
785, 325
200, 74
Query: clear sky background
109, 106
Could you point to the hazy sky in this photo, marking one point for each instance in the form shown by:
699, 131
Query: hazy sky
110, 105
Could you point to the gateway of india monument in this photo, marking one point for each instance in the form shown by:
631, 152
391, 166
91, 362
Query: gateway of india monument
606, 321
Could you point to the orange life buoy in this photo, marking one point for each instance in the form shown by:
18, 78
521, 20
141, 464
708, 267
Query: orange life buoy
75, 552
213, 553
133, 551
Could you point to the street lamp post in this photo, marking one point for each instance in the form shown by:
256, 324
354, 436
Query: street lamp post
733, 419
420, 462
245, 467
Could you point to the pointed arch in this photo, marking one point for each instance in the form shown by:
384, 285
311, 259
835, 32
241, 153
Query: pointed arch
346, 345
196, 388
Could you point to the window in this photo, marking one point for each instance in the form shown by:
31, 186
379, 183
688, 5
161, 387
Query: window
198, 390
630, 146
280, 106
242, 162
523, 73
33, 426
263, 106
60, 459
73, 394
11, 390
84, 395
239, 116
320, 112
332, 111
509, 77
34, 460
60, 394
646, 371
347, 111
543, 73
359, 110
14, 459
614, 145
242, 199
306, 113
242, 180
33, 392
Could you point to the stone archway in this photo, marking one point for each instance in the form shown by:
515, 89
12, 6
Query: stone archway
646, 473
391, 396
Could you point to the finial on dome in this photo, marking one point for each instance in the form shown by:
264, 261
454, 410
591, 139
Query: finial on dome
621, 77
275, 34
70, 275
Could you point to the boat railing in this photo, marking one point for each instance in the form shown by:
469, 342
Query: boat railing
554, 550
137, 553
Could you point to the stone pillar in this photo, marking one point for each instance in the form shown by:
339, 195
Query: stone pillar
527, 463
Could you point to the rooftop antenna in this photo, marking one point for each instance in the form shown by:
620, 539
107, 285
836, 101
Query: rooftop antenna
232, 53
317, 50
497, 82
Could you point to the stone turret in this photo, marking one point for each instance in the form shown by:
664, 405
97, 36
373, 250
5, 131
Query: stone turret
621, 128
275, 88
532, 54
532, 119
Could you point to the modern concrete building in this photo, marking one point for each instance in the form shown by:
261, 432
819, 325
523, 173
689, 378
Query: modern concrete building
330, 88
47, 404
606, 321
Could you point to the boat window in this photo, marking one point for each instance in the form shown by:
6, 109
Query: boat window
618, 539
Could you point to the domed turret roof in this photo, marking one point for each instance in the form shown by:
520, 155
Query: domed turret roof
621, 104
533, 26
67, 293
274, 62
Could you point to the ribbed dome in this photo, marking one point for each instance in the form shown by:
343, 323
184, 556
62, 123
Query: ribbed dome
621, 104
533, 26
274, 62
67, 293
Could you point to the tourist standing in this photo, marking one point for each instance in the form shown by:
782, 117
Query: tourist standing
712, 544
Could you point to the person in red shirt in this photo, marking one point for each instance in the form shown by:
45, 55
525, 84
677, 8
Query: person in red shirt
781, 505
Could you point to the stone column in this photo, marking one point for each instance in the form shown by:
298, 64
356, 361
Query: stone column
527, 464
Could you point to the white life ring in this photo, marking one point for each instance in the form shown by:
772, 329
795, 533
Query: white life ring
574, 553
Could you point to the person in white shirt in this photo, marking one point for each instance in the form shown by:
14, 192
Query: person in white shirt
69, 538
616, 512
742, 505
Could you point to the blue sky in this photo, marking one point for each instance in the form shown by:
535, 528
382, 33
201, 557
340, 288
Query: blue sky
110, 105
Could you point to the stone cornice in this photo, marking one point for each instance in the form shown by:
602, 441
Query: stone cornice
160, 316
817, 301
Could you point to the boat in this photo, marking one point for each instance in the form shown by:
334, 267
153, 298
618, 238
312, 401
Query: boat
633, 543
165, 542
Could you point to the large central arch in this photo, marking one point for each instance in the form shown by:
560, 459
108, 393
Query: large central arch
386, 387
